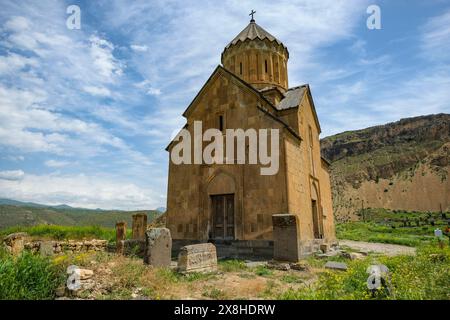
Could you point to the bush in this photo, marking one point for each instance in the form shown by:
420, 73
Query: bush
232, 265
421, 277
28, 277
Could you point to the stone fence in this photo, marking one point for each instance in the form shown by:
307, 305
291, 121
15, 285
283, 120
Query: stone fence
15, 243
70, 246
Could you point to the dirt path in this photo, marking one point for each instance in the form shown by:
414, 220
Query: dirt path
385, 248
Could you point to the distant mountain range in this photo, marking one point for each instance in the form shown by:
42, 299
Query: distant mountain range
18, 213
59, 206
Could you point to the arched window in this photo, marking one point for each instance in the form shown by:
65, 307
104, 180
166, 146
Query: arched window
240, 68
265, 65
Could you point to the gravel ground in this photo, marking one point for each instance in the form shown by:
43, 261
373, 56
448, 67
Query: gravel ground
385, 248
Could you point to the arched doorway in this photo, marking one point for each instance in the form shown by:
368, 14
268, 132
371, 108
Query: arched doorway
221, 193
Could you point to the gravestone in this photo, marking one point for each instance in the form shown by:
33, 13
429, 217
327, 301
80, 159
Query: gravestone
121, 234
158, 247
139, 226
285, 237
15, 242
197, 258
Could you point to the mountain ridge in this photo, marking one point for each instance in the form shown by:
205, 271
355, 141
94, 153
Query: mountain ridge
400, 165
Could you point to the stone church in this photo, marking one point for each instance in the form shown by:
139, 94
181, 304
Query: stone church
233, 204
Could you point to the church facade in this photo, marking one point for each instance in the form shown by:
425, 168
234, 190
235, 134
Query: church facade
234, 202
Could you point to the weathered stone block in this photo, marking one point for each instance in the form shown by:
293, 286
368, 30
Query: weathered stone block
158, 247
285, 237
139, 226
198, 258
336, 265
121, 234
15, 242
133, 247
46, 248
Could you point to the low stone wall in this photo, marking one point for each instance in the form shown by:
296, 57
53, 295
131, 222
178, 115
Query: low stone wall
236, 249
132, 247
70, 246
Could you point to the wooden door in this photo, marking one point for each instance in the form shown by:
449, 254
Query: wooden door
223, 216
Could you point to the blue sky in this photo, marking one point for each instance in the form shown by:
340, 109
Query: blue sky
85, 114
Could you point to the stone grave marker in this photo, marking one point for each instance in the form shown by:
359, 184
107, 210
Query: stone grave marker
158, 247
139, 226
197, 258
121, 234
285, 237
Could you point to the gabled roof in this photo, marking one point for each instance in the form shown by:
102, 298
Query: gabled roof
219, 68
245, 83
292, 97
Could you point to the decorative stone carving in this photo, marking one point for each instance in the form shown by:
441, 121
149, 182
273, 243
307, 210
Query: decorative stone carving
197, 258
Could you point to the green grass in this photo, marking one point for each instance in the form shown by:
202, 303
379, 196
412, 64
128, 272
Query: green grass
424, 276
372, 232
388, 226
174, 277
65, 232
232, 265
28, 277
290, 278
263, 271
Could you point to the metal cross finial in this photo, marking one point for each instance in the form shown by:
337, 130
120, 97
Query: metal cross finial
251, 14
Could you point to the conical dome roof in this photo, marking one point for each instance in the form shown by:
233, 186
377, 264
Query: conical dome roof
251, 32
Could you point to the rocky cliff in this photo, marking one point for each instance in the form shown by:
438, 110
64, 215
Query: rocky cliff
402, 165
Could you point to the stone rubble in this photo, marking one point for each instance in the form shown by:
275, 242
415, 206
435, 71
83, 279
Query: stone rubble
336, 265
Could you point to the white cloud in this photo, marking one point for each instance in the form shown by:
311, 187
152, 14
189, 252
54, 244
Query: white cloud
104, 61
14, 62
148, 88
139, 48
14, 158
436, 37
56, 163
153, 91
80, 191
12, 175
17, 23
97, 91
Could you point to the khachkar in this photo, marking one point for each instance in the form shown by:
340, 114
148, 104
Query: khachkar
139, 226
121, 235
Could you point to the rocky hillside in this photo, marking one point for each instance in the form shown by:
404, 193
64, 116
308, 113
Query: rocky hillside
402, 165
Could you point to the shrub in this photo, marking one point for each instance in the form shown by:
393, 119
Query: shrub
28, 277
232, 265
424, 276
263, 271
